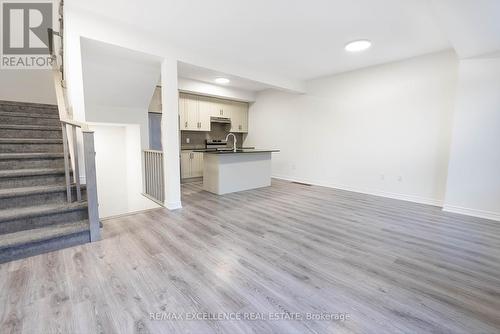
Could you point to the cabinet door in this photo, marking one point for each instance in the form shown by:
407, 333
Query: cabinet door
189, 119
239, 117
205, 111
192, 110
197, 164
221, 109
244, 117
186, 164
183, 116
234, 115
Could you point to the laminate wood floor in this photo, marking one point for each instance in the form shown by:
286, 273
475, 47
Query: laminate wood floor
273, 257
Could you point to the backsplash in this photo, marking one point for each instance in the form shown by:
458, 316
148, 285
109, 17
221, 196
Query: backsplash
197, 138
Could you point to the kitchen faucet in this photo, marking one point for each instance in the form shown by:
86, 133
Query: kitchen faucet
235, 140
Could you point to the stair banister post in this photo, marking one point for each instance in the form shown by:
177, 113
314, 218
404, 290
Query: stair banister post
66, 162
91, 180
76, 171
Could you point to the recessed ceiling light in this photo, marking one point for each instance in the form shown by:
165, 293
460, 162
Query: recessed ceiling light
359, 45
222, 80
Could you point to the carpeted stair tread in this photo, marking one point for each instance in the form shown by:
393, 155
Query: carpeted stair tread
31, 108
28, 104
30, 127
28, 115
30, 141
30, 172
35, 155
40, 210
24, 191
22, 238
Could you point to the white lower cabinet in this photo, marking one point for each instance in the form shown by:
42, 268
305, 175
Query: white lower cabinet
191, 164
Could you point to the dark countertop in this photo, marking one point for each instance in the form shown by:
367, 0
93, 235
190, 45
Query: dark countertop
238, 151
203, 149
184, 148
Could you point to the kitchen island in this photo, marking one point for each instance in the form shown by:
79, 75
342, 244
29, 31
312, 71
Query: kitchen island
230, 171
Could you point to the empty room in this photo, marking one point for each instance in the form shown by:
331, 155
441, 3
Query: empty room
321, 166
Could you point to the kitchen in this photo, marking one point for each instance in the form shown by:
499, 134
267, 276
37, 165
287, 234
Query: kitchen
212, 133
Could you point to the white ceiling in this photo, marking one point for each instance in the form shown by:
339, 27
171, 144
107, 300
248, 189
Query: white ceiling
295, 39
117, 77
473, 26
193, 72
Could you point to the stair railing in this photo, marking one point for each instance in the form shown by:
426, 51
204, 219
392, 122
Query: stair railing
70, 141
154, 186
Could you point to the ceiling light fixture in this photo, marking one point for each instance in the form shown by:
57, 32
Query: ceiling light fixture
222, 80
359, 45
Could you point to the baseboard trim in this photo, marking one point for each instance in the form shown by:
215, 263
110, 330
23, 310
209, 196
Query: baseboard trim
174, 205
402, 197
472, 212
131, 213
151, 198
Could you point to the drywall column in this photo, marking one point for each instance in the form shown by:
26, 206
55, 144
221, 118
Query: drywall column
170, 133
473, 186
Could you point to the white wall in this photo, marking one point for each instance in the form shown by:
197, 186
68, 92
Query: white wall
36, 86
118, 168
474, 172
118, 84
114, 115
133, 160
383, 130
111, 188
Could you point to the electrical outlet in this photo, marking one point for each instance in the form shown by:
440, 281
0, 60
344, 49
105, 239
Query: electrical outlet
382, 177
187, 140
293, 167
400, 178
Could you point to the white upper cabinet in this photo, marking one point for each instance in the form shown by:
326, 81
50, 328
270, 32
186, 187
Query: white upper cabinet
195, 112
188, 112
239, 117
205, 111
221, 108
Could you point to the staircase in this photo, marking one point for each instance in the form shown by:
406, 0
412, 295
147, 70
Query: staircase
35, 215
